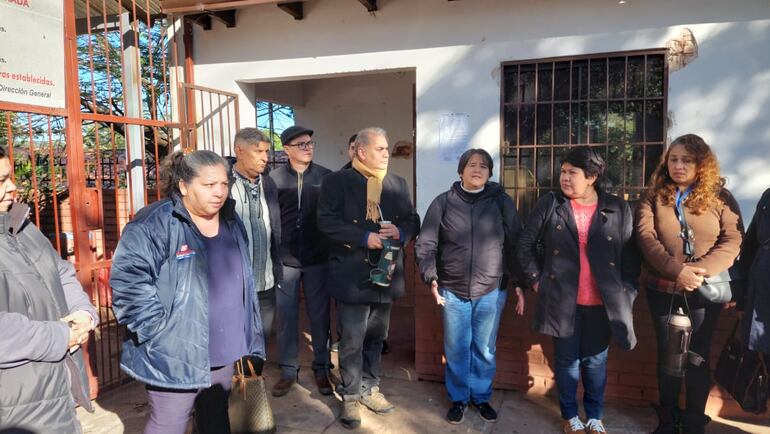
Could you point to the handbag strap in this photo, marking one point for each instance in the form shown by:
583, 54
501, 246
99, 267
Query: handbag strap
251, 367
685, 233
671, 307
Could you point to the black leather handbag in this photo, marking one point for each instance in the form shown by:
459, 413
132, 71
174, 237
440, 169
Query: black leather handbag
743, 374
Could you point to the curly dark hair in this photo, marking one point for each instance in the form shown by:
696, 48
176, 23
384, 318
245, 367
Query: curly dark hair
708, 181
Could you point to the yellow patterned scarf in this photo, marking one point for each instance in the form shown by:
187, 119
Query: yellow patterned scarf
374, 179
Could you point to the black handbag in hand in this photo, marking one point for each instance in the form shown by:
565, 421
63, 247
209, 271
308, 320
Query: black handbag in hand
715, 289
743, 374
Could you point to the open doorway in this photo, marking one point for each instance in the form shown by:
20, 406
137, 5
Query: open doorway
336, 107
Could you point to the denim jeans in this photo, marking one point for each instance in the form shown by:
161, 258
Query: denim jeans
313, 279
584, 352
364, 327
470, 339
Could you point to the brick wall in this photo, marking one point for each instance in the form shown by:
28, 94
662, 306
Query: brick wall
524, 357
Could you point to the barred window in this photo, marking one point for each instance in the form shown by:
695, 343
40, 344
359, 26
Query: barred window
616, 103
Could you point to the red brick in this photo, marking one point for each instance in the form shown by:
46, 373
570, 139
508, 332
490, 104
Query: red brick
637, 380
625, 392
509, 366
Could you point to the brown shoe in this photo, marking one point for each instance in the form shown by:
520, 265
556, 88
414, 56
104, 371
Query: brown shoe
350, 417
323, 383
283, 386
376, 402
595, 426
574, 426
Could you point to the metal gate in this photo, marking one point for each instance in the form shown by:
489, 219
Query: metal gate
87, 169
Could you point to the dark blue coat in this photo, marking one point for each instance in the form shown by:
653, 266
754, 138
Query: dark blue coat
160, 292
753, 269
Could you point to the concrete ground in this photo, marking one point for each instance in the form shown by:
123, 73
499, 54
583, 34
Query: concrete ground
421, 407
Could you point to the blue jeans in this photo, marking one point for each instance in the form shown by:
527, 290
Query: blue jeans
312, 279
586, 351
470, 337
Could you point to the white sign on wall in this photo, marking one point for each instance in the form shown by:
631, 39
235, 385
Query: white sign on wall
453, 135
32, 52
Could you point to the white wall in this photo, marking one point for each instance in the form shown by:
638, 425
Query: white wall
338, 107
456, 49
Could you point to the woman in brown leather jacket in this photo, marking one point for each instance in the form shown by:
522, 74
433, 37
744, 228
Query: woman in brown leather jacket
687, 180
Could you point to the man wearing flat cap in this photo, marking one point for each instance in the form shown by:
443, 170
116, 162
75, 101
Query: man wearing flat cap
303, 254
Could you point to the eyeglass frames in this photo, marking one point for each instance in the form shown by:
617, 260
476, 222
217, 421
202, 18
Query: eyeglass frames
310, 144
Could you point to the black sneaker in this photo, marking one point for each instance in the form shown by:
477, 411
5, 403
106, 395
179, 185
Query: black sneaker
456, 414
486, 412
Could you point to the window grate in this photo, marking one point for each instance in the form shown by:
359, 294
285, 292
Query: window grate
614, 102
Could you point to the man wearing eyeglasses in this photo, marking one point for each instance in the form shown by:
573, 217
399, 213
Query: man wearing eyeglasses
303, 254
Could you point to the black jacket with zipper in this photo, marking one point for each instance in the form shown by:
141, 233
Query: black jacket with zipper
467, 241
301, 242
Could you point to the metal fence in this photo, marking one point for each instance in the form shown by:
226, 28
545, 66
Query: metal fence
87, 169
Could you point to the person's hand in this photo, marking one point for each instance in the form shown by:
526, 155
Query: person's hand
389, 230
80, 320
76, 338
80, 324
690, 278
729, 305
441, 301
374, 241
519, 301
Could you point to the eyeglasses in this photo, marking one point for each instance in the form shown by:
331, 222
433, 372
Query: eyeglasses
310, 144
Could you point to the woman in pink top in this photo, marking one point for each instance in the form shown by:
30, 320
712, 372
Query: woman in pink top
576, 253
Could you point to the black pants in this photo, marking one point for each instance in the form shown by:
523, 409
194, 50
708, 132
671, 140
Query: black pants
364, 327
703, 315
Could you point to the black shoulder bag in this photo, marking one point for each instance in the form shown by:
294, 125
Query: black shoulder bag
743, 374
715, 289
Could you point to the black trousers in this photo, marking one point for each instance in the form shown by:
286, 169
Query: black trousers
364, 327
703, 315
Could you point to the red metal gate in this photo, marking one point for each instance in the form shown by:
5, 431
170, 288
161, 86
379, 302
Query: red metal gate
87, 169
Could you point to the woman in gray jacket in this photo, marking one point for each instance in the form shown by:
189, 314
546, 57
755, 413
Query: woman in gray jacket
465, 251
44, 318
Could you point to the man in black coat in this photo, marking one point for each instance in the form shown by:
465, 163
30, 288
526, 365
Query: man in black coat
303, 254
357, 209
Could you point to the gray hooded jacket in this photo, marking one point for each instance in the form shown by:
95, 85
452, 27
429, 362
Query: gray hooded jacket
40, 380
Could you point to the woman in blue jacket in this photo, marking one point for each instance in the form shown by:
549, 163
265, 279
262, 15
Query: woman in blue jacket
182, 284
